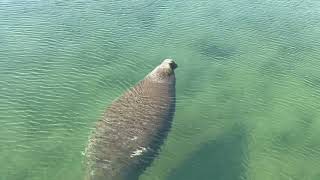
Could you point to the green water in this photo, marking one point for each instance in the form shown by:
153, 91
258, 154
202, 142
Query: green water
248, 84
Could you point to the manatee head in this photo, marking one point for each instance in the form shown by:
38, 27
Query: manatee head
164, 72
169, 64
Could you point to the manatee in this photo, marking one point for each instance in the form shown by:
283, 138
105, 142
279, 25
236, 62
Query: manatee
129, 135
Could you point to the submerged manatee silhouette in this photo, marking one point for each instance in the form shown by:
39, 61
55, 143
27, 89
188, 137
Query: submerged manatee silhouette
127, 138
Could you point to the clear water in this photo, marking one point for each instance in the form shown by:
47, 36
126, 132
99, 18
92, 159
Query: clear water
248, 84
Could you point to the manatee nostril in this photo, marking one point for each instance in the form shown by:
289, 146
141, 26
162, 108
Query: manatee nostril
173, 65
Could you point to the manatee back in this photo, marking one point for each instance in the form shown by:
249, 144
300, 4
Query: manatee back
128, 137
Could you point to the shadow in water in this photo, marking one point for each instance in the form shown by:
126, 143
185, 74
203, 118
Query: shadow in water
220, 159
216, 51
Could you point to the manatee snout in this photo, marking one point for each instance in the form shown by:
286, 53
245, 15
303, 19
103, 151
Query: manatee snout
171, 63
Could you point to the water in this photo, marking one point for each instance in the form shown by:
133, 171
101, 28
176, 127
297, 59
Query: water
247, 84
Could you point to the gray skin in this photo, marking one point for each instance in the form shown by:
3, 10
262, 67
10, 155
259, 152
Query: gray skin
128, 137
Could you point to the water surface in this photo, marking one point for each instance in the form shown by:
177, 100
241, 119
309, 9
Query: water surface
247, 84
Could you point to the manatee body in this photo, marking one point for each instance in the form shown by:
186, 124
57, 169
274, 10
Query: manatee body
128, 137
